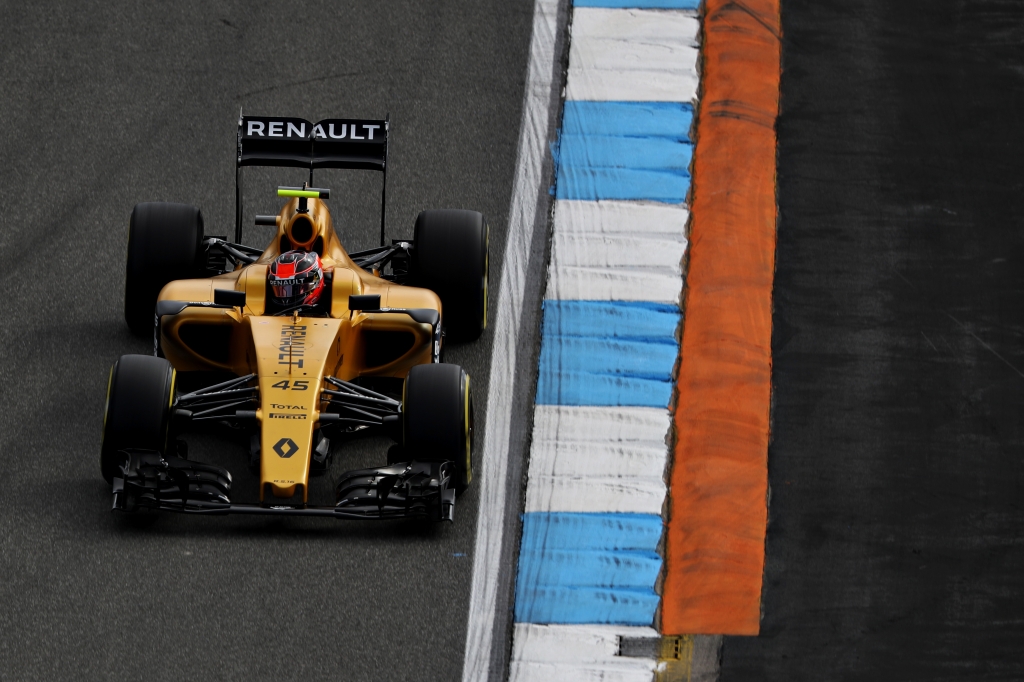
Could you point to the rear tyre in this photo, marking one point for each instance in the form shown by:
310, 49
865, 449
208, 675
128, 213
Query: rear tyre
438, 418
137, 415
164, 244
450, 258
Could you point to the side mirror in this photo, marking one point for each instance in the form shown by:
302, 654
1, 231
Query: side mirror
229, 297
364, 302
169, 307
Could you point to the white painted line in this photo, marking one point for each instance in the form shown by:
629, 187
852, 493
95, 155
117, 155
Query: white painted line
633, 55
586, 653
533, 141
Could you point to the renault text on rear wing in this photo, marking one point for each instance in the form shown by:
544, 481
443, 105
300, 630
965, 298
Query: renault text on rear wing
295, 142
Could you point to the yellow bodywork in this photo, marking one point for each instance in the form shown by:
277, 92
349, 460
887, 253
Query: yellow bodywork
291, 354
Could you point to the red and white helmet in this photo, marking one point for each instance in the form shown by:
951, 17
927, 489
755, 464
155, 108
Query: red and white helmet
296, 277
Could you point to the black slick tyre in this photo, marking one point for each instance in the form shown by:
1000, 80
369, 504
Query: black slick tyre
438, 418
164, 244
450, 258
137, 414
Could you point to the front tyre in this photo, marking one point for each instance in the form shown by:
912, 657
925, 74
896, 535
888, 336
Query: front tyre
138, 410
164, 244
438, 418
450, 258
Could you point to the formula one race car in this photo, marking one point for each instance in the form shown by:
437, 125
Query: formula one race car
299, 344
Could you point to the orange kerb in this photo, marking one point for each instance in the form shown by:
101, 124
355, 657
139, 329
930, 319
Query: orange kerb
719, 482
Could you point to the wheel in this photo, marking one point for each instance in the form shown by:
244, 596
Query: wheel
164, 244
137, 415
437, 417
449, 257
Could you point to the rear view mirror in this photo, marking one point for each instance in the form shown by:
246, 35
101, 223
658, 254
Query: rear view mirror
229, 297
364, 302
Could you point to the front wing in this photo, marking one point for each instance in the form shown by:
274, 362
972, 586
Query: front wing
406, 490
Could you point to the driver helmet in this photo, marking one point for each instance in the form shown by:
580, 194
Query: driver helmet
296, 277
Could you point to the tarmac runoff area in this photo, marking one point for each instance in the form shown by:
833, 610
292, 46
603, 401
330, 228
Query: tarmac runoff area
893, 548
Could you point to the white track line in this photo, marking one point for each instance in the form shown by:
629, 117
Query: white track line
526, 192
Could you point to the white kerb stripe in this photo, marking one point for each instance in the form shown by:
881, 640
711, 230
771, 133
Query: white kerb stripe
640, 26
578, 442
634, 86
617, 251
605, 54
598, 459
633, 55
620, 217
570, 672
601, 284
527, 188
573, 643
554, 458
642, 425
596, 494
577, 652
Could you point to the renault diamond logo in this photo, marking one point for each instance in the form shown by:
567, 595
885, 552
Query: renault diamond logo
285, 448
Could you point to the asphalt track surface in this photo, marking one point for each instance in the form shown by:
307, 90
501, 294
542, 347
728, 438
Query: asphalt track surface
896, 467
110, 104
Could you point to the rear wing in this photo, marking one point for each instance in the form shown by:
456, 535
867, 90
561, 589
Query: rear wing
286, 142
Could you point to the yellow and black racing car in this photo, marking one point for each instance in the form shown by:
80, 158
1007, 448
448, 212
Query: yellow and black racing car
307, 341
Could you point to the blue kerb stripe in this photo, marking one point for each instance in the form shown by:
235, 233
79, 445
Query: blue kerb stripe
624, 150
607, 356
583, 531
588, 568
612, 151
607, 353
640, 4
671, 120
595, 184
584, 388
638, 320
570, 605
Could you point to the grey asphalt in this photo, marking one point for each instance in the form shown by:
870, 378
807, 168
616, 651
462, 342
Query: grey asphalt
109, 104
896, 466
